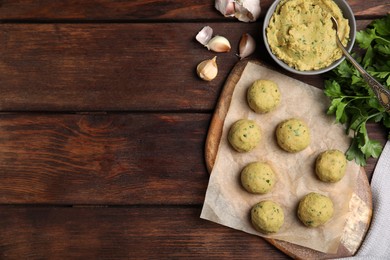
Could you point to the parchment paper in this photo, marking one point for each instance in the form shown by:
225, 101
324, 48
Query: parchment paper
227, 203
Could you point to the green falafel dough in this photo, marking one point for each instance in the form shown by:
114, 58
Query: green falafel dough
267, 217
293, 135
258, 177
331, 166
315, 209
263, 96
244, 135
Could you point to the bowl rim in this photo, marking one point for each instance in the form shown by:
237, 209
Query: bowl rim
347, 13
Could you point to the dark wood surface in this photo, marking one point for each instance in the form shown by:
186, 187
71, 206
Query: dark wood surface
103, 124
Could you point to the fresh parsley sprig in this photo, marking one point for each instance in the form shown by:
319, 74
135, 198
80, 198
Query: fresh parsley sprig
352, 101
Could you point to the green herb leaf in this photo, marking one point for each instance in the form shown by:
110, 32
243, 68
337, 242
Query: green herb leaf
332, 89
340, 115
356, 121
382, 26
354, 153
372, 148
352, 101
368, 57
383, 49
364, 38
386, 120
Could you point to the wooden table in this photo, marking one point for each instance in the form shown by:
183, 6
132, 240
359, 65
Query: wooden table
103, 124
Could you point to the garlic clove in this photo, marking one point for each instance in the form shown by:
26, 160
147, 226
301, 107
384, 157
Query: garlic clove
207, 69
204, 35
219, 44
247, 46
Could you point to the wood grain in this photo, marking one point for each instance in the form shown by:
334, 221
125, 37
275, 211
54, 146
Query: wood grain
122, 233
142, 10
126, 159
371, 9
115, 67
73, 67
142, 161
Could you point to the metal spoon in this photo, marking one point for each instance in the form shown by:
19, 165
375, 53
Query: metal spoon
382, 93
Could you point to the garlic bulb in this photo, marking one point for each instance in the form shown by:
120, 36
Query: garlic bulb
207, 69
243, 10
204, 35
219, 44
247, 46
226, 7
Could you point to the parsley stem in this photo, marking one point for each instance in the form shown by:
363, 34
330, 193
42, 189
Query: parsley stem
383, 39
365, 121
356, 97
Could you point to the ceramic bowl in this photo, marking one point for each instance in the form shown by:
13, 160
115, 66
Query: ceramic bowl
347, 13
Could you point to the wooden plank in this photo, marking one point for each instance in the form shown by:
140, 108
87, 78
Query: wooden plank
76, 67
143, 10
103, 159
371, 9
108, 10
122, 233
109, 67
124, 159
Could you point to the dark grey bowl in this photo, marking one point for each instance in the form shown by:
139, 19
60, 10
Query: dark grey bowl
347, 13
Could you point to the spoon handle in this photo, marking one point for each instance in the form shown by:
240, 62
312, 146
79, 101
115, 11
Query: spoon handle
380, 91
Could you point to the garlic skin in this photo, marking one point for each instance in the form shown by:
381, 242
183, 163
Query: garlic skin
244, 10
204, 35
218, 44
226, 7
247, 10
247, 46
207, 69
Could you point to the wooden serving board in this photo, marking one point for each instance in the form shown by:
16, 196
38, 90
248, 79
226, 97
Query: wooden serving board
350, 241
